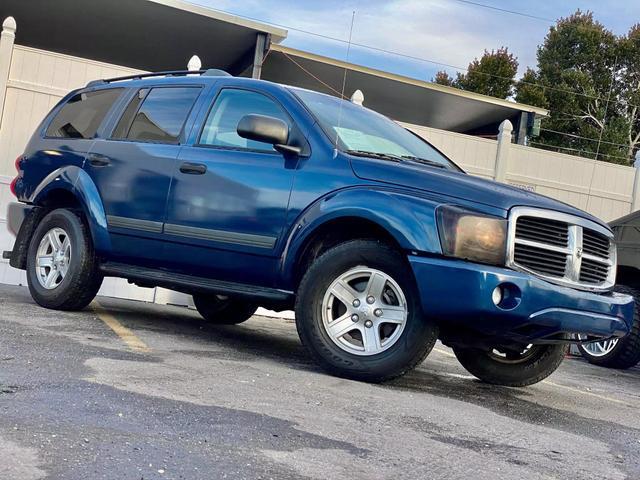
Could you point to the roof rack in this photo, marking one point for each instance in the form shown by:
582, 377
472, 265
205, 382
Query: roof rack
212, 72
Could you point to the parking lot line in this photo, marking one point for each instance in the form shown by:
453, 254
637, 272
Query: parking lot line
590, 394
444, 352
126, 335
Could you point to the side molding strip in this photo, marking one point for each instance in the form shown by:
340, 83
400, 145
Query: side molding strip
134, 224
247, 239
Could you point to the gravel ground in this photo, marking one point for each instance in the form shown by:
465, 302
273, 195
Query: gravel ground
173, 398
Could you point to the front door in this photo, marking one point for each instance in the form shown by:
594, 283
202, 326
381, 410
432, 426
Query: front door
132, 170
229, 196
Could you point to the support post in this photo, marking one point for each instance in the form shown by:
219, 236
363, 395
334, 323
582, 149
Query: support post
635, 198
258, 56
7, 39
523, 121
502, 156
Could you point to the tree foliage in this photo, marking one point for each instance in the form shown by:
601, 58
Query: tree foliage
586, 76
492, 74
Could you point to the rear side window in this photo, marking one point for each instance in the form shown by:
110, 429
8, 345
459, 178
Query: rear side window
220, 129
81, 116
157, 115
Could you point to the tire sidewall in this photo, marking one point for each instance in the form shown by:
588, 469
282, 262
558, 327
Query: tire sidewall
417, 333
533, 370
72, 225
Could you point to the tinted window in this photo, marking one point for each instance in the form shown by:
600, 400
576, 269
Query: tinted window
81, 116
231, 105
122, 129
162, 114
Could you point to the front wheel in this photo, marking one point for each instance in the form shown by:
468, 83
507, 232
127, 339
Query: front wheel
512, 367
358, 313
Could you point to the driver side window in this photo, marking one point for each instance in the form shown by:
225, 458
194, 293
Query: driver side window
229, 107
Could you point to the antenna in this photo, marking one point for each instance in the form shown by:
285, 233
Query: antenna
344, 83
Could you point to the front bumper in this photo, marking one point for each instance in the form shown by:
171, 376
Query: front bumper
460, 293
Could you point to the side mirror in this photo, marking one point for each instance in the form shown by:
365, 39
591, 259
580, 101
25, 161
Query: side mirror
268, 130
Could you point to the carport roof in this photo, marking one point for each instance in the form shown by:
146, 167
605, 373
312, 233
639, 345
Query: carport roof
149, 35
401, 98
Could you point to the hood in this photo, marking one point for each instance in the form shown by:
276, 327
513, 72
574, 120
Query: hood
458, 185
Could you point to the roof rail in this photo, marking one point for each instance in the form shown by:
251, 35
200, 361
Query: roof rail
212, 72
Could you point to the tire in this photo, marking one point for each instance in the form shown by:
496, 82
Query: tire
387, 358
81, 280
221, 310
626, 352
521, 370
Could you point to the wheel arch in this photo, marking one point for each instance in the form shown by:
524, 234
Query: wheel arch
355, 214
71, 187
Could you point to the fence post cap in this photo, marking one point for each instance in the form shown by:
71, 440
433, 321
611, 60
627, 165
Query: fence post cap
9, 24
506, 127
357, 97
194, 64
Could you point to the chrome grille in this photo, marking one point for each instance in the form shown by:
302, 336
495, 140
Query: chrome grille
561, 248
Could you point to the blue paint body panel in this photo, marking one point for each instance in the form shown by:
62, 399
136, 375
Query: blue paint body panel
250, 215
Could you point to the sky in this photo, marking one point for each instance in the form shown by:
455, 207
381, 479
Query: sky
449, 33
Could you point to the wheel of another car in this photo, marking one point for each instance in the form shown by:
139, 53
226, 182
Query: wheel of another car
358, 313
62, 269
618, 353
224, 310
511, 367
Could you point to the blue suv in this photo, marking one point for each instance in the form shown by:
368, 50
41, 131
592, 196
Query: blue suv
245, 193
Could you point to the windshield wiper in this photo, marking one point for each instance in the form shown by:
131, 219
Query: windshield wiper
382, 156
423, 161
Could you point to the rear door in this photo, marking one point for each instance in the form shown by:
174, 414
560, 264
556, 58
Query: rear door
132, 169
229, 197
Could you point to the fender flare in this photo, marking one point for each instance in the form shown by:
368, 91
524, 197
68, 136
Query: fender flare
409, 220
78, 182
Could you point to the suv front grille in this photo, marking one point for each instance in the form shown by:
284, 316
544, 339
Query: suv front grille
561, 248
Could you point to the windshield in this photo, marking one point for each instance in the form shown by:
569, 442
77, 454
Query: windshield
362, 131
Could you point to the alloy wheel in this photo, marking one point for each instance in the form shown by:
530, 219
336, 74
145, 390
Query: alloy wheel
364, 311
53, 258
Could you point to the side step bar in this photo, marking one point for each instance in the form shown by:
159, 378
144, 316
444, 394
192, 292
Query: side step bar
187, 283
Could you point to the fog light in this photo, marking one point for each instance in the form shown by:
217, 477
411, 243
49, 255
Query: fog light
496, 296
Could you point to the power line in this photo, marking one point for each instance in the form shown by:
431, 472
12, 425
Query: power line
504, 10
408, 56
573, 135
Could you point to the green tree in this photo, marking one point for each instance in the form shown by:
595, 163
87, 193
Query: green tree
577, 79
629, 95
492, 74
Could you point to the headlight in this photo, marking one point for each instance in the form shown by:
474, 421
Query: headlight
472, 236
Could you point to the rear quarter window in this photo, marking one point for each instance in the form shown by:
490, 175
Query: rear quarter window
82, 115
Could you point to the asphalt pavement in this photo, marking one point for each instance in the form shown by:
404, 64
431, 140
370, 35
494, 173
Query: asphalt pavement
128, 390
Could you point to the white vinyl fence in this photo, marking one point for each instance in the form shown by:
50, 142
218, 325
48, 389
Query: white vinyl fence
32, 81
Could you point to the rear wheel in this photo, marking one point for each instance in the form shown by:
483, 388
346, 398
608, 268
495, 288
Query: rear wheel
512, 367
223, 310
359, 315
618, 352
62, 269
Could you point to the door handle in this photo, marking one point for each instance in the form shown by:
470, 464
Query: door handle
193, 168
98, 160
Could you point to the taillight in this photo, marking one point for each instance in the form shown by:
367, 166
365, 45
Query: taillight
18, 166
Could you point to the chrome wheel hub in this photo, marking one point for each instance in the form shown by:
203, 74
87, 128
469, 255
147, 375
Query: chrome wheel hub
364, 311
600, 349
52, 258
